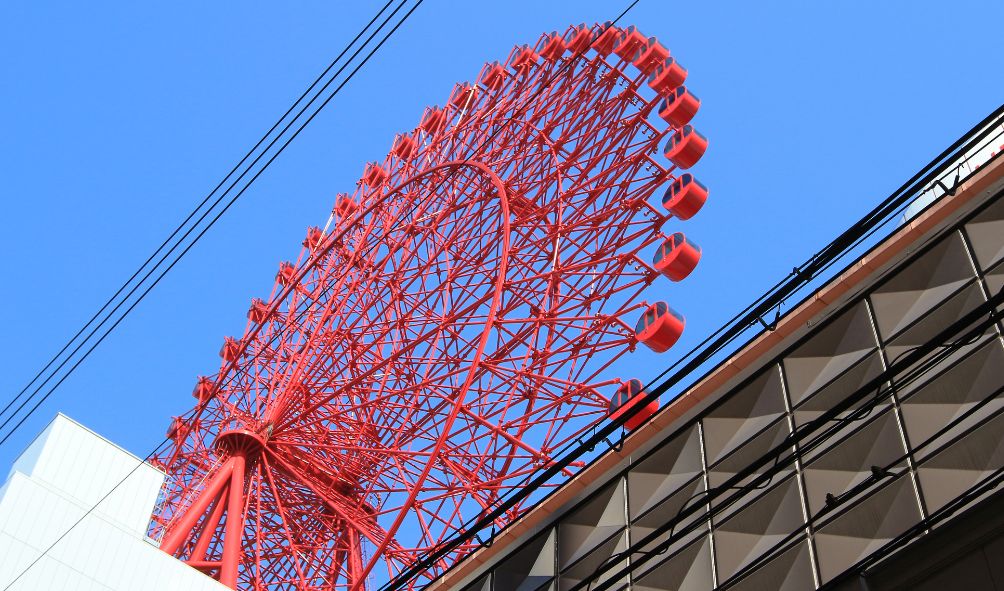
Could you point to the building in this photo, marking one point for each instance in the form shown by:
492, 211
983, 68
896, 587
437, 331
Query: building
856, 444
75, 509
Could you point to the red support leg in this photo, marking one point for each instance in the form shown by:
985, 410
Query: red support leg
233, 535
182, 530
209, 527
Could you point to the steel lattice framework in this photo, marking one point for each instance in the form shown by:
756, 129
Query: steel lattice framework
448, 330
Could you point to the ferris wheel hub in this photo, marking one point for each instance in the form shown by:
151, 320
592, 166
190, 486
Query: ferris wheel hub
239, 441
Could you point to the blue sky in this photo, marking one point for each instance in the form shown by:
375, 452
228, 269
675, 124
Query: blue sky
118, 119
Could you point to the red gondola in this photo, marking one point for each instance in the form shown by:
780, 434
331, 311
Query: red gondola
286, 274
345, 206
203, 389
176, 428
630, 41
605, 41
315, 236
686, 147
680, 107
554, 47
462, 95
578, 39
404, 146
652, 55
374, 175
685, 197
433, 120
524, 57
494, 76
665, 79
230, 350
628, 396
677, 257
659, 327
258, 312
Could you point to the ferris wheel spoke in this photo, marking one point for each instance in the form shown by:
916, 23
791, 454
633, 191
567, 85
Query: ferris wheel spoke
342, 510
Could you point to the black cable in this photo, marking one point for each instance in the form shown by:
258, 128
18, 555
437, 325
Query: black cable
191, 214
210, 225
729, 332
858, 414
82, 517
198, 408
935, 344
879, 473
988, 485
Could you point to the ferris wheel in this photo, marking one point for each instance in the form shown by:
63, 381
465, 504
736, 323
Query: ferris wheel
452, 326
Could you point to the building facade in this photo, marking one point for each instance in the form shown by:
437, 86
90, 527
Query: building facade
74, 513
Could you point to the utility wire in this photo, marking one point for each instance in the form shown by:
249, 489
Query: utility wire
988, 486
715, 343
202, 217
960, 333
234, 199
188, 218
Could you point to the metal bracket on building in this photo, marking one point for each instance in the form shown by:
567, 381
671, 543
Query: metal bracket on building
773, 324
486, 543
955, 185
619, 444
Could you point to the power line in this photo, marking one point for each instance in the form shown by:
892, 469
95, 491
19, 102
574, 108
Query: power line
231, 202
717, 341
188, 218
964, 331
205, 214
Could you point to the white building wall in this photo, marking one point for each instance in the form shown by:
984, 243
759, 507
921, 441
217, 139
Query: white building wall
57, 494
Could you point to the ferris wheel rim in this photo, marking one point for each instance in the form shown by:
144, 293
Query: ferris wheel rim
332, 239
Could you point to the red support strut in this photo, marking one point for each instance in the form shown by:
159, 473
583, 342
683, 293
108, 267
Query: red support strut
225, 489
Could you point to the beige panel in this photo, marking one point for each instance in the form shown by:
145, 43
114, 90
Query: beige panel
846, 384
849, 462
963, 464
921, 285
986, 235
529, 569
609, 552
673, 465
745, 413
689, 496
866, 527
789, 571
757, 528
753, 450
591, 525
930, 407
829, 352
687, 570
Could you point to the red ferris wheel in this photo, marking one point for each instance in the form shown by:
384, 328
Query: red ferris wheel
451, 327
